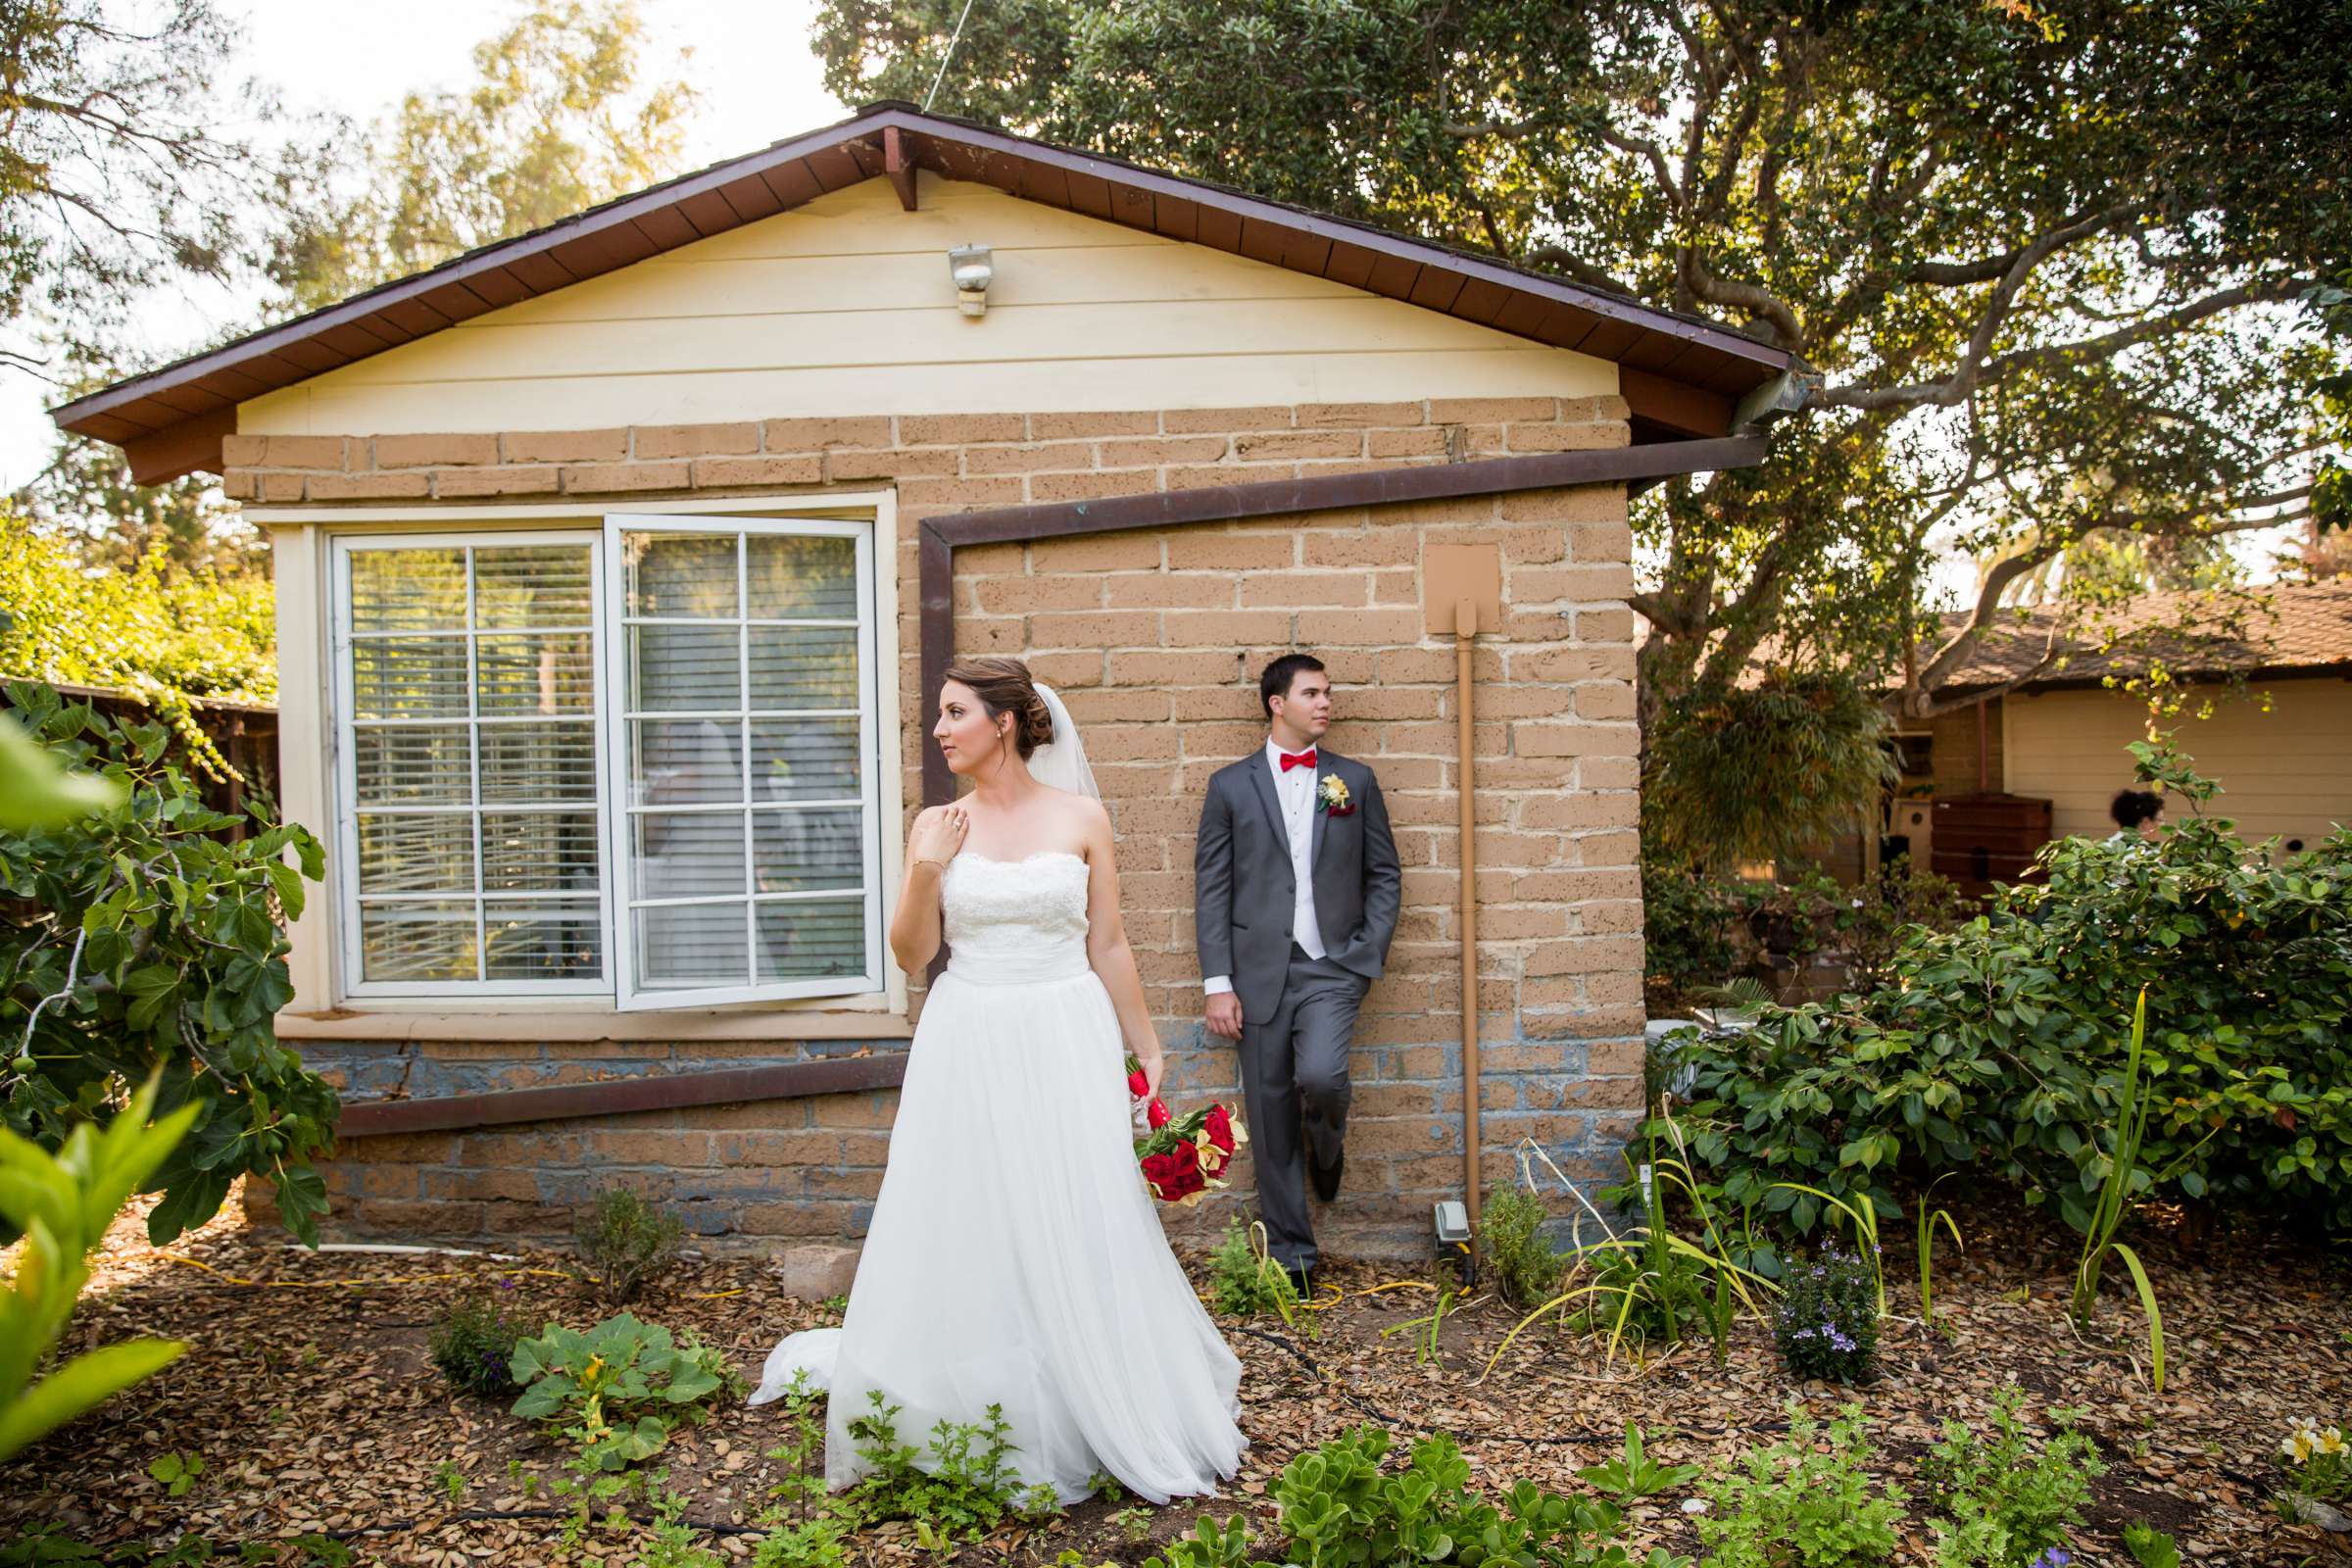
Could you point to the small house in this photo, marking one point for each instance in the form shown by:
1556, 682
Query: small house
617, 563
2042, 713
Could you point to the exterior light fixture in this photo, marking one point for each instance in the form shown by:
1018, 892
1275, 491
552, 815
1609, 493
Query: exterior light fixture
972, 270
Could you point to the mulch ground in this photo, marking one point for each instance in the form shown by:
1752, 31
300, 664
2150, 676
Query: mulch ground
310, 1398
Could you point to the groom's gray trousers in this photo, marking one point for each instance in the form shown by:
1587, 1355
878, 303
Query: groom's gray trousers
1295, 1080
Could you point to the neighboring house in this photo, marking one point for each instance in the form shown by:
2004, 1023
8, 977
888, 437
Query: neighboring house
618, 564
2046, 726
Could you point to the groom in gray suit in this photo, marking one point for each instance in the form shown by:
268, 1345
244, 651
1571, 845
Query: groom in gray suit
1295, 891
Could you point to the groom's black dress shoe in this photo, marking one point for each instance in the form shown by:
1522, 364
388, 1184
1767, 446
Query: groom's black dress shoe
1327, 1177
1301, 1283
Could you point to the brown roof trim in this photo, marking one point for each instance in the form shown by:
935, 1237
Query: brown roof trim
1692, 370
940, 538
830, 1075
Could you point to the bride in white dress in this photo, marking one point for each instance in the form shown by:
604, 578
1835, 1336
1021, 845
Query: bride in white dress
1014, 1257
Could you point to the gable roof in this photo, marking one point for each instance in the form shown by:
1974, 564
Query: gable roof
1682, 374
2303, 628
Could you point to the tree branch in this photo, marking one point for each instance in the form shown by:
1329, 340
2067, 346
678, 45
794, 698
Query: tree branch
2113, 343
1963, 379
1964, 641
1705, 286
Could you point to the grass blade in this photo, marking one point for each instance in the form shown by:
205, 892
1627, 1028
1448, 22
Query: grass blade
2147, 1305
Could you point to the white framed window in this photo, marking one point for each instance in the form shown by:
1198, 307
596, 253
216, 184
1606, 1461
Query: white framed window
641, 763
748, 846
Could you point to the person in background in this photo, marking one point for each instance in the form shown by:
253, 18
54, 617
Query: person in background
2138, 815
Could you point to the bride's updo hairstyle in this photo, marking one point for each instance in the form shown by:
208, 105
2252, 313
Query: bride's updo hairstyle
1004, 686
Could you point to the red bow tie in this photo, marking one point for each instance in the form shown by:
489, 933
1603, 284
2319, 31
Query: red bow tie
1291, 759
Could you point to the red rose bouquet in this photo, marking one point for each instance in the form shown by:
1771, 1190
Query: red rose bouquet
1183, 1158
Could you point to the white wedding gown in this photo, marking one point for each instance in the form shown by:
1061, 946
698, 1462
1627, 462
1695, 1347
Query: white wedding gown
1014, 1257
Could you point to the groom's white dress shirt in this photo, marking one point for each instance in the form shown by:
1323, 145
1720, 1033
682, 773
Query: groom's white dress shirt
1294, 790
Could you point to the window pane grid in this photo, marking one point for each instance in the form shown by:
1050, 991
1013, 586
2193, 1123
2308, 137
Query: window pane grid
658, 714
484, 720
722, 675
512, 616
778, 736
725, 899
555, 897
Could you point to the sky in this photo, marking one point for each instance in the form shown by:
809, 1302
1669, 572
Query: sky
751, 61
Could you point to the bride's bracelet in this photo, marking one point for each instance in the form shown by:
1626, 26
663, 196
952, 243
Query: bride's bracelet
940, 866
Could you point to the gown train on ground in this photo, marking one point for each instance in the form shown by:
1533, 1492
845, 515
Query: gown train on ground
1014, 1257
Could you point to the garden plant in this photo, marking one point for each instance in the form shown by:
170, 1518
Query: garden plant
2000, 1500
2001, 1049
626, 1241
60, 1206
148, 938
617, 1390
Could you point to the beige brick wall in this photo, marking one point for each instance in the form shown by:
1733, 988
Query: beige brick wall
1156, 638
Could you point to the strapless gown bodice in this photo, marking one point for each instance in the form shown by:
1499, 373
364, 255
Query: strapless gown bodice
1015, 923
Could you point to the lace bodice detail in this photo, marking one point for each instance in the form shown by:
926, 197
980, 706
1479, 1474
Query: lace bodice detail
1006, 921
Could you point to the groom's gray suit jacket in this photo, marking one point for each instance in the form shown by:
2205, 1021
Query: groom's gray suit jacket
1243, 892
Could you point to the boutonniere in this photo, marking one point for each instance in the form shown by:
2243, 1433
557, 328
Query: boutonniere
1332, 797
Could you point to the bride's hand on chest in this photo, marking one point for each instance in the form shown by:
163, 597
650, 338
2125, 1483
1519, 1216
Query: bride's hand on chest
937, 835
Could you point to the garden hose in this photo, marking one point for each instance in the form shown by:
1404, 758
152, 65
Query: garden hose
1545, 1440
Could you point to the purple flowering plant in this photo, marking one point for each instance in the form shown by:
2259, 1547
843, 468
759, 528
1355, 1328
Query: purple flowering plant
1826, 1320
472, 1342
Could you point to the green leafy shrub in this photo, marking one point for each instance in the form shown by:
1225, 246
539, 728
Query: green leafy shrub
1700, 931
1521, 1260
143, 939
1243, 1279
1813, 912
62, 1207
1690, 929
2000, 1500
2000, 1048
1339, 1510
173, 636
1826, 1320
1633, 1475
626, 1241
2151, 1548
618, 1390
1804, 1503
472, 1345
1762, 772
1878, 918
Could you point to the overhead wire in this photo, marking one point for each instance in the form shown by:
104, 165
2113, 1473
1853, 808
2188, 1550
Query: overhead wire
954, 39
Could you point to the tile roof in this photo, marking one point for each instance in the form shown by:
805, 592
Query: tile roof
2277, 629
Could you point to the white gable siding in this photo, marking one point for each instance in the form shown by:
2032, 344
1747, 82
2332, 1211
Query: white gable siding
2285, 773
844, 305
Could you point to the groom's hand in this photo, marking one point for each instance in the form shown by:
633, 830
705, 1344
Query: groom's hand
1225, 1016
